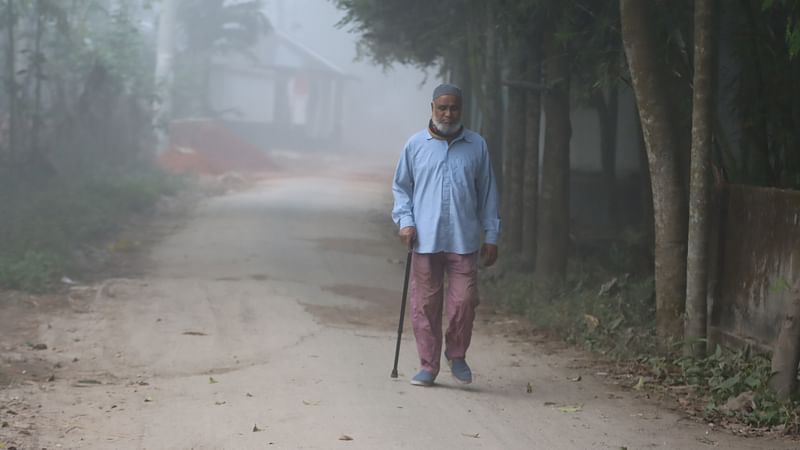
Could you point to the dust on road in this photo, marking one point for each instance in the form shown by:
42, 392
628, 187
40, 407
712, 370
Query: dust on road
267, 321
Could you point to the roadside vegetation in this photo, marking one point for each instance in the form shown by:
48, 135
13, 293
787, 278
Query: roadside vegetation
712, 88
76, 146
609, 309
47, 225
78, 129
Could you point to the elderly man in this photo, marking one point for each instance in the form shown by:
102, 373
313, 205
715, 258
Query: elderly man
445, 198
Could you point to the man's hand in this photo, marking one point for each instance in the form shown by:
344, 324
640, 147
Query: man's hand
408, 235
488, 254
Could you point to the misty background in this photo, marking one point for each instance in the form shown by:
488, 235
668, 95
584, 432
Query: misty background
382, 107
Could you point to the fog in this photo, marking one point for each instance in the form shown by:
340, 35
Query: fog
382, 108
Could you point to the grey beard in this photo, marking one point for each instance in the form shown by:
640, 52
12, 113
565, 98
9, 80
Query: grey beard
445, 129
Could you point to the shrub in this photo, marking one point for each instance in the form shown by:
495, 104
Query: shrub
616, 317
33, 272
43, 224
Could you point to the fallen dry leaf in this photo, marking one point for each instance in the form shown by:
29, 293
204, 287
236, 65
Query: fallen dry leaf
249, 394
575, 379
473, 435
607, 287
570, 409
639, 385
742, 402
707, 441
256, 429
529, 388
194, 333
345, 437
592, 322
211, 380
314, 403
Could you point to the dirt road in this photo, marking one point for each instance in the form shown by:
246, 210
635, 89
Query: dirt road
268, 321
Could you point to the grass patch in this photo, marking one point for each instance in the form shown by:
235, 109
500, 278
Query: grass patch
32, 272
731, 385
43, 223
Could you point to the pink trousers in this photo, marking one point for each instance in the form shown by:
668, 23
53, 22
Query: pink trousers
428, 272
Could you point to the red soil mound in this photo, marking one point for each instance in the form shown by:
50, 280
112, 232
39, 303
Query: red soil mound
208, 147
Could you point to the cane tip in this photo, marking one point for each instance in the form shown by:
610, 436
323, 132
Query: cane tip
394, 374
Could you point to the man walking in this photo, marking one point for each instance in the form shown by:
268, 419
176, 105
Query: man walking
445, 198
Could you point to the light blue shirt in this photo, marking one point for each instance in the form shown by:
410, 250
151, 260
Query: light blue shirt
448, 192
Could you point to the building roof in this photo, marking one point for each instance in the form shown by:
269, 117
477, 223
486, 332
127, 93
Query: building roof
277, 51
284, 51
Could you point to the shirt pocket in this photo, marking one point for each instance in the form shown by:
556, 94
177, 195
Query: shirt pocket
463, 169
463, 172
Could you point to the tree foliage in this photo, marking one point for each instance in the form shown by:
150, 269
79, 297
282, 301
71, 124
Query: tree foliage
220, 26
395, 31
768, 99
74, 132
54, 48
208, 28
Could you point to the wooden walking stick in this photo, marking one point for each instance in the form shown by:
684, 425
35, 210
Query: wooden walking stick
402, 311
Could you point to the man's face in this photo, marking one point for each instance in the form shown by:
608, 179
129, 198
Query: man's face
446, 111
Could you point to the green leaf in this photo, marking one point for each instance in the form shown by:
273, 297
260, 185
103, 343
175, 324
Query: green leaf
570, 409
793, 38
729, 383
752, 381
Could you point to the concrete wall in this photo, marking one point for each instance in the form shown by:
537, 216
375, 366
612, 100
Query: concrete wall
759, 259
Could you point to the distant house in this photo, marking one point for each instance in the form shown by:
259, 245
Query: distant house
280, 94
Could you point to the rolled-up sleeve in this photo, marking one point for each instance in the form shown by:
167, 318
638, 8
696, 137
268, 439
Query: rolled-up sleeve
403, 191
488, 199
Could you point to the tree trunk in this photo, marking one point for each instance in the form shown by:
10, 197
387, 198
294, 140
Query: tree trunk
754, 116
553, 224
609, 156
461, 76
669, 192
530, 188
607, 115
492, 111
164, 73
11, 84
646, 196
514, 160
786, 354
38, 61
700, 186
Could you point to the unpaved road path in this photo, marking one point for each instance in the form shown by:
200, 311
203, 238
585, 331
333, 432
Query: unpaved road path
268, 321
